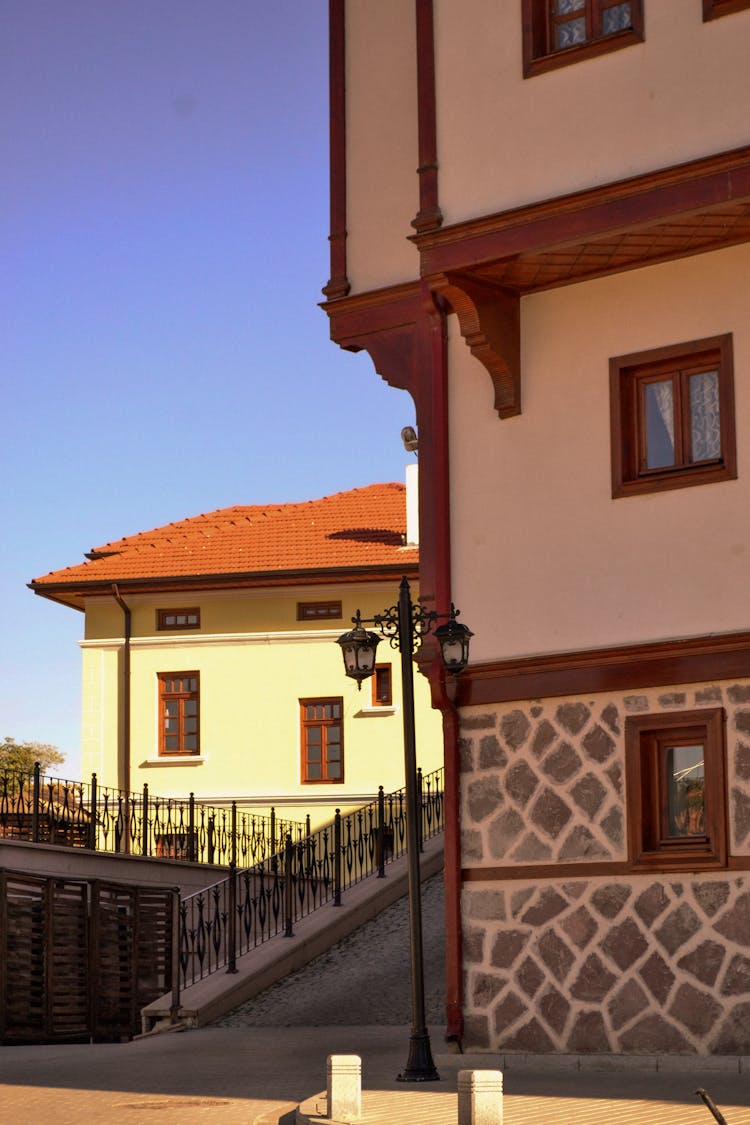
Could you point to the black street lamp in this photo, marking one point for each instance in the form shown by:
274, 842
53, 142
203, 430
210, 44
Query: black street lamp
404, 625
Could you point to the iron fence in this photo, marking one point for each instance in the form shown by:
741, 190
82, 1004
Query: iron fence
251, 906
79, 814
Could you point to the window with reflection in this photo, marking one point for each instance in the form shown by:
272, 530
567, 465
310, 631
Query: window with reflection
676, 788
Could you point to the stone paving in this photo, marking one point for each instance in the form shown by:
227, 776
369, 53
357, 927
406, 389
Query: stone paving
362, 980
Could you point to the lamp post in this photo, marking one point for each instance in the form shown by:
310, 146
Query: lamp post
404, 625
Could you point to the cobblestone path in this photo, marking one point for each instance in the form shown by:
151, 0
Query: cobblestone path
363, 980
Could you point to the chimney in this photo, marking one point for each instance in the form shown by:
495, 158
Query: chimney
412, 505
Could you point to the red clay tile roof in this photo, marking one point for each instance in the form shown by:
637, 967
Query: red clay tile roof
363, 528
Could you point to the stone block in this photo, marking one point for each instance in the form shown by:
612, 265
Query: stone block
344, 1087
480, 1097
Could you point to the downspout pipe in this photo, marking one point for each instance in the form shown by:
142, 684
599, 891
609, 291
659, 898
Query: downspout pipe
124, 771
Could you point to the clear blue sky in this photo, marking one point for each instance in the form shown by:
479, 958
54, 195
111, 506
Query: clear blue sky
163, 240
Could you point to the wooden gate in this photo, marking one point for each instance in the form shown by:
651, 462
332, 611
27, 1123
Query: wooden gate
79, 959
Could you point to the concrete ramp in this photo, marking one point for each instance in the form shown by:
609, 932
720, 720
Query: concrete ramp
215, 995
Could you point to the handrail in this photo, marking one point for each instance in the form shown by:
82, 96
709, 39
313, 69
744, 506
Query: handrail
250, 906
77, 814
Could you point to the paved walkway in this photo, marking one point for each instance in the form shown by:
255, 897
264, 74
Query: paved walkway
258, 1076
269, 1056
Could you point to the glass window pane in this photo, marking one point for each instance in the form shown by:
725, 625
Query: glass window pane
616, 19
569, 33
314, 754
314, 771
565, 7
685, 791
171, 724
171, 742
191, 706
334, 769
659, 414
705, 428
193, 682
191, 726
191, 742
171, 707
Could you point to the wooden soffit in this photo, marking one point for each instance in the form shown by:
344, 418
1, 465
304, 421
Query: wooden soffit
483, 266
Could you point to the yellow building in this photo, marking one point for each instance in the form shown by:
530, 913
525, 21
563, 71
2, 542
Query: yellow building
210, 664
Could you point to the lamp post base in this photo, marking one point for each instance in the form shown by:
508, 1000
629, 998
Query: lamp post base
419, 1066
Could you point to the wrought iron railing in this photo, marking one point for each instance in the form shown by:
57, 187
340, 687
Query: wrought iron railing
251, 906
79, 814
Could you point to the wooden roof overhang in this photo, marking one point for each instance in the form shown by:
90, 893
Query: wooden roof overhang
482, 267
74, 594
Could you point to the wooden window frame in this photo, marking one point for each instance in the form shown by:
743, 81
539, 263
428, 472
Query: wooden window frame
382, 696
305, 723
715, 9
319, 611
645, 736
538, 55
627, 374
181, 696
163, 614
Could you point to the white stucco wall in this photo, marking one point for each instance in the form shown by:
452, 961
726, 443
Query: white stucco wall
544, 560
504, 140
381, 138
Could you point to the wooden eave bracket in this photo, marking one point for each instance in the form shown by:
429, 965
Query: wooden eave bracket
490, 322
384, 324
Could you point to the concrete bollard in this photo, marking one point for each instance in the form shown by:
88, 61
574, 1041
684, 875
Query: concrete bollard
344, 1087
480, 1097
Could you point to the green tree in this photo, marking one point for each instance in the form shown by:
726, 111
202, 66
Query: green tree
20, 756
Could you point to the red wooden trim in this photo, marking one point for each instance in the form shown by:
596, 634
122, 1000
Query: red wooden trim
538, 56
690, 660
489, 317
338, 285
429, 216
569, 219
383, 323
626, 423
561, 871
713, 9
645, 787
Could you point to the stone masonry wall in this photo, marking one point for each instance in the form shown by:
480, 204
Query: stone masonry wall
627, 964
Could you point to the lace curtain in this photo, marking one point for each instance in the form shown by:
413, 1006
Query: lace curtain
705, 428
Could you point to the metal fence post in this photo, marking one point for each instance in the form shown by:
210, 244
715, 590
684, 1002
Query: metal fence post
191, 830
273, 830
232, 905
420, 816
174, 1010
307, 826
337, 858
381, 833
35, 806
288, 896
211, 837
144, 821
92, 822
